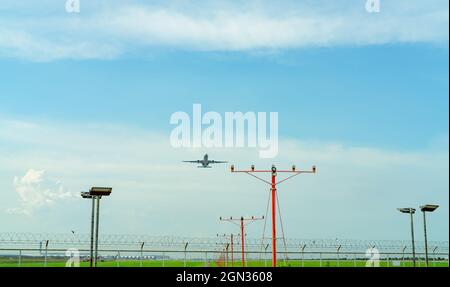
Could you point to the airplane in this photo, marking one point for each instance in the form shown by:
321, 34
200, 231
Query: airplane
205, 162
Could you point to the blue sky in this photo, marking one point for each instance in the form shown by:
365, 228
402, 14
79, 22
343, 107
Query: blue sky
383, 87
364, 91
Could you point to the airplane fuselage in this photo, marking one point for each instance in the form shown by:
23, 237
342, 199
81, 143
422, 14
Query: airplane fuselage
205, 162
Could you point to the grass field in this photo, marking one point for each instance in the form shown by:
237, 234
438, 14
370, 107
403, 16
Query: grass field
180, 263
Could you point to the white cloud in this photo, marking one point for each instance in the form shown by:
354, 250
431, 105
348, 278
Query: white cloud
36, 190
108, 31
23, 44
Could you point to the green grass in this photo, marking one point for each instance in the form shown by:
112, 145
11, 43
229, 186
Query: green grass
180, 263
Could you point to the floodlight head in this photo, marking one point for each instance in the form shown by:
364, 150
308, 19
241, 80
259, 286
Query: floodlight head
100, 191
407, 210
86, 195
429, 208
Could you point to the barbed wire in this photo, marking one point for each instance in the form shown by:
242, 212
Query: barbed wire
175, 242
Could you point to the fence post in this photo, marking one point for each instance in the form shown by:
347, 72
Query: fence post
320, 258
303, 255
403, 257
142, 254
46, 253
265, 258
118, 258
164, 260
338, 258
185, 250
20, 257
206, 259
354, 260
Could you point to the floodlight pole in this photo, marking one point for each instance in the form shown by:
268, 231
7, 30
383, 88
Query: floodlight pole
91, 261
96, 231
242, 224
413, 241
425, 209
411, 212
273, 185
425, 234
95, 193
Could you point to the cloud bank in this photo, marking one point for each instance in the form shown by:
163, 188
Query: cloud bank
114, 28
361, 187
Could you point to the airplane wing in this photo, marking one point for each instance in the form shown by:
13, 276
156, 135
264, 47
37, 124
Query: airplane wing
192, 161
215, 161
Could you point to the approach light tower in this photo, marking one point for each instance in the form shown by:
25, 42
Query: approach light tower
274, 172
242, 223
